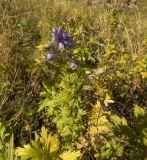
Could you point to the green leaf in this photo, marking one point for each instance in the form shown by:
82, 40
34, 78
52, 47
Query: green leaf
50, 142
70, 155
108, 100
45, 149
116, 119
42, 150
145, 141
144, 74
124, 122
138, 111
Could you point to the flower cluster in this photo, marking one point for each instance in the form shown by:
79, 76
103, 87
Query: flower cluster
60, 41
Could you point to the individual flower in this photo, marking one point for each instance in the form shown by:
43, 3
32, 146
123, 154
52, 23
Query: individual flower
55, 35
60, 33
66, 36
73, 64
50, 56
61, 46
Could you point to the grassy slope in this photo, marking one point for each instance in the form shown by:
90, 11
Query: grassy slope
142, 4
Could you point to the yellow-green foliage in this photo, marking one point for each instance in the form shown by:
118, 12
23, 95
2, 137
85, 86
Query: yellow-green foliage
65, 106
113, 137
46, 147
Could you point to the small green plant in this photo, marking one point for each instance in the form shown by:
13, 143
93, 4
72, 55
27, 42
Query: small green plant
65, 106
64, 97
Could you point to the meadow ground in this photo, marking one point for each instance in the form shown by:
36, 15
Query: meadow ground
80, 91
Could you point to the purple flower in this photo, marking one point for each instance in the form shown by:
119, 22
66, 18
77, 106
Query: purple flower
60, 34
50, 56
61, 46
73, 64
66, 36
63, 39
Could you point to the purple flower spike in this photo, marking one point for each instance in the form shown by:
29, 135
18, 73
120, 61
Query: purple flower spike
50, 56
73, 64
62, 39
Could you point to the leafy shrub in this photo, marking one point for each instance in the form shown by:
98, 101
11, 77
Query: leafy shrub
66, 108
114, 138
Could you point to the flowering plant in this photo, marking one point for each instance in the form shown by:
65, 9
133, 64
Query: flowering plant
61, 41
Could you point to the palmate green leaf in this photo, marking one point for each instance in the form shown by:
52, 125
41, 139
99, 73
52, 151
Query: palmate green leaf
41, 150
26, 152
45, 149
69, 155
33, 151
49, 142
